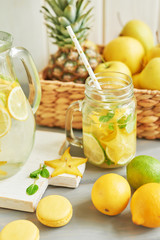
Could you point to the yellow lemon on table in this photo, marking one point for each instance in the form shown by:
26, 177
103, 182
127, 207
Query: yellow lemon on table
145, 205
110, 194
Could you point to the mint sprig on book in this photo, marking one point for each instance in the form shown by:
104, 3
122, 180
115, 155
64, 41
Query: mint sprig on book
43, 172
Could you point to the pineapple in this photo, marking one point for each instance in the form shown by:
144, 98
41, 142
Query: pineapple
66, 65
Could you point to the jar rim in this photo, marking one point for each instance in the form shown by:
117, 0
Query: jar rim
6, 40
123, 91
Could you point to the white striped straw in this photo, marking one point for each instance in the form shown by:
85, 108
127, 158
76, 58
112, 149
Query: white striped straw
82, 55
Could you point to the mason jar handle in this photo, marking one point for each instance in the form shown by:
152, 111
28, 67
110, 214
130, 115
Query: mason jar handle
32, 74
71, 138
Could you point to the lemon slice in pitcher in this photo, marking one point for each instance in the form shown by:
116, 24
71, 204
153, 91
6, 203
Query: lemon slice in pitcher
92, 149
17, 104
5, 121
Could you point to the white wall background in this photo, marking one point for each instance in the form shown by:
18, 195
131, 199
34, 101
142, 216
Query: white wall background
23, 19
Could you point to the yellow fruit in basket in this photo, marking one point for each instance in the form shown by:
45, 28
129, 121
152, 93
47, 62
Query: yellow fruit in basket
149, 78
116, 66
145, 205
135, 79
152, 53
141, 31
110, 194
127, 50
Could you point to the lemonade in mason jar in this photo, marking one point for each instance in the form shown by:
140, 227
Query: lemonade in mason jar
109, 120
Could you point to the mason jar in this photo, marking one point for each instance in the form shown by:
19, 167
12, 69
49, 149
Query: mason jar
108, 120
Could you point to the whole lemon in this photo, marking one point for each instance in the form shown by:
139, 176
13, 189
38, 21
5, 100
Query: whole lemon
110, 194
127, 50
145, 205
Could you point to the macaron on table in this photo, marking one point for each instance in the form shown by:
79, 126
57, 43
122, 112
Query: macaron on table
64, 212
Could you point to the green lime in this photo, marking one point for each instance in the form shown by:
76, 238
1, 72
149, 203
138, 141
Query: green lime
143, 169
93, 150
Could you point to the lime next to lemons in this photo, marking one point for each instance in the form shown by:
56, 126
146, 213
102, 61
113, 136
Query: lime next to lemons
92, 149
17, 104
5, 121
143, 169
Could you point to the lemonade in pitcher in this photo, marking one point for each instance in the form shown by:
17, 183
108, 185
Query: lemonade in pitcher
17, 123
17, 127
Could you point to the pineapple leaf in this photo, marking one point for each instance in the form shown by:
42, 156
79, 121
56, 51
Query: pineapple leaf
48, 15
75, 26
68, 40
63, 3
64, 21
61, 13
81, 5
72, 2
78, 5
82, 20
70, 13
55, 7
64, 31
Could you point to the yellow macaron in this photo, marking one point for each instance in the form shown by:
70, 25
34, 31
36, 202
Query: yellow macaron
20, 230
54, 211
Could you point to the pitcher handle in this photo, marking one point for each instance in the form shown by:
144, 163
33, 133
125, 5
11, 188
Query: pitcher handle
71, 138
32, 73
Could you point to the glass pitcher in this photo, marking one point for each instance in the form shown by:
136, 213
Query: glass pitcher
17, 123
109, 121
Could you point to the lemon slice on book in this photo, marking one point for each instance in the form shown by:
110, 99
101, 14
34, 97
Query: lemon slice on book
5, 121
93, 150
17, 104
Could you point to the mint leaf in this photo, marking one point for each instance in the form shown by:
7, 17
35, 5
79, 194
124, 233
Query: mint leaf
44, 173
44, 166
111, 126
108, 162
122, 122
35, 173
32, 189
107, 117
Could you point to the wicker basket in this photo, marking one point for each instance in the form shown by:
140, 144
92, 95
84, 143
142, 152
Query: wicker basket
57, 96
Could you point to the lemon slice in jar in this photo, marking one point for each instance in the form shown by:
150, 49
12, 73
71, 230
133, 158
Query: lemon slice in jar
121, 149
17, 104
5, 121
93, 150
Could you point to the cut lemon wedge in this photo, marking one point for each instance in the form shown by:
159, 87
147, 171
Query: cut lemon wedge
122, 149
17, 104
93, 150
5, 121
